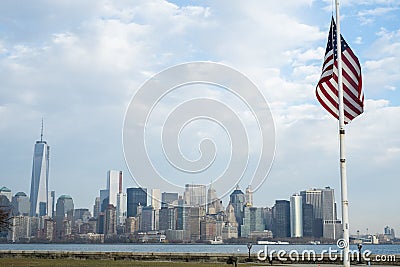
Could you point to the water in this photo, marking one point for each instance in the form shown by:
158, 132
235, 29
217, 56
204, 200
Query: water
192, 248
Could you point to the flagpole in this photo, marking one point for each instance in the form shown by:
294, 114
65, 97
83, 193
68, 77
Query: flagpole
343, 177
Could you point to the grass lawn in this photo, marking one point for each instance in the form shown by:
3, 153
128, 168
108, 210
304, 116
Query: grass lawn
11, 262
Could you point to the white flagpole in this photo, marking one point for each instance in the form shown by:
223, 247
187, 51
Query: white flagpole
343, 177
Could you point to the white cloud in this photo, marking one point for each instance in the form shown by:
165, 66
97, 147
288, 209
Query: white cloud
382, 70
379, 11
358, 40
373, 135
300, 56
369, 16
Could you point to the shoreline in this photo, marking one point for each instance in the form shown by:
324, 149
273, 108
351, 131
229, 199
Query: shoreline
173, 257
184, 244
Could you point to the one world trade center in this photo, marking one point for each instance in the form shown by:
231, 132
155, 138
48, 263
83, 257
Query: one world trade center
40, 178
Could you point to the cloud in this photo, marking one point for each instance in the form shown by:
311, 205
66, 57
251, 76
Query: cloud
382, 70
301, 56
368, 16
358, 40
379, 11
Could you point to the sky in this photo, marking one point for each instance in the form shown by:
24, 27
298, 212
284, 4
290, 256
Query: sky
78, 64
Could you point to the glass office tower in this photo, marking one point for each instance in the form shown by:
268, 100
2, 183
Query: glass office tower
40, 178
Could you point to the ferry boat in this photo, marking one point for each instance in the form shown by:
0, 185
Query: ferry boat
217, 241
266, 242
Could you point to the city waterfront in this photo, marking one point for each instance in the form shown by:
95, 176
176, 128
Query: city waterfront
192, 248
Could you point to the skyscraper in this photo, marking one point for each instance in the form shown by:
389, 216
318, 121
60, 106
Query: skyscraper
6, 192
135, 196
115, 195
230, 229
156, 198
40, 177
4, 202
64, 214
168, 198
163, 218
104, 199
182, 213
64, 205
96, 207
314, 197
296, 216
114, 185
252, 221
308, 220
20, 228
149, 219
268, 218
195, 195
211, 194
281, 217
389, 232
51, 203
110, 220
195, 215
214, 204
324, 211
249, 196
237, 199
328, 204
20, 203
121, 208
82, 214
332, 228
182, 217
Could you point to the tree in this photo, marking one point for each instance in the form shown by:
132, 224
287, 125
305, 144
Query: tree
5, 218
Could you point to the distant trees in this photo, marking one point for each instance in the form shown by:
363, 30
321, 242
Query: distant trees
5, 218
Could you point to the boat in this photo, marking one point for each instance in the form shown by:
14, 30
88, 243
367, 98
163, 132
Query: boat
266, 242
282, 243
217, 241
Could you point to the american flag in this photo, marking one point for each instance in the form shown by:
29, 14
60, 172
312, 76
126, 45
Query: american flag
327, 88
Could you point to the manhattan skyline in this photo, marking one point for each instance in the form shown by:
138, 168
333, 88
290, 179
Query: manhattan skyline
78, 65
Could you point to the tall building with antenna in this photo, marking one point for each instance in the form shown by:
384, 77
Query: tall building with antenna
40, 178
